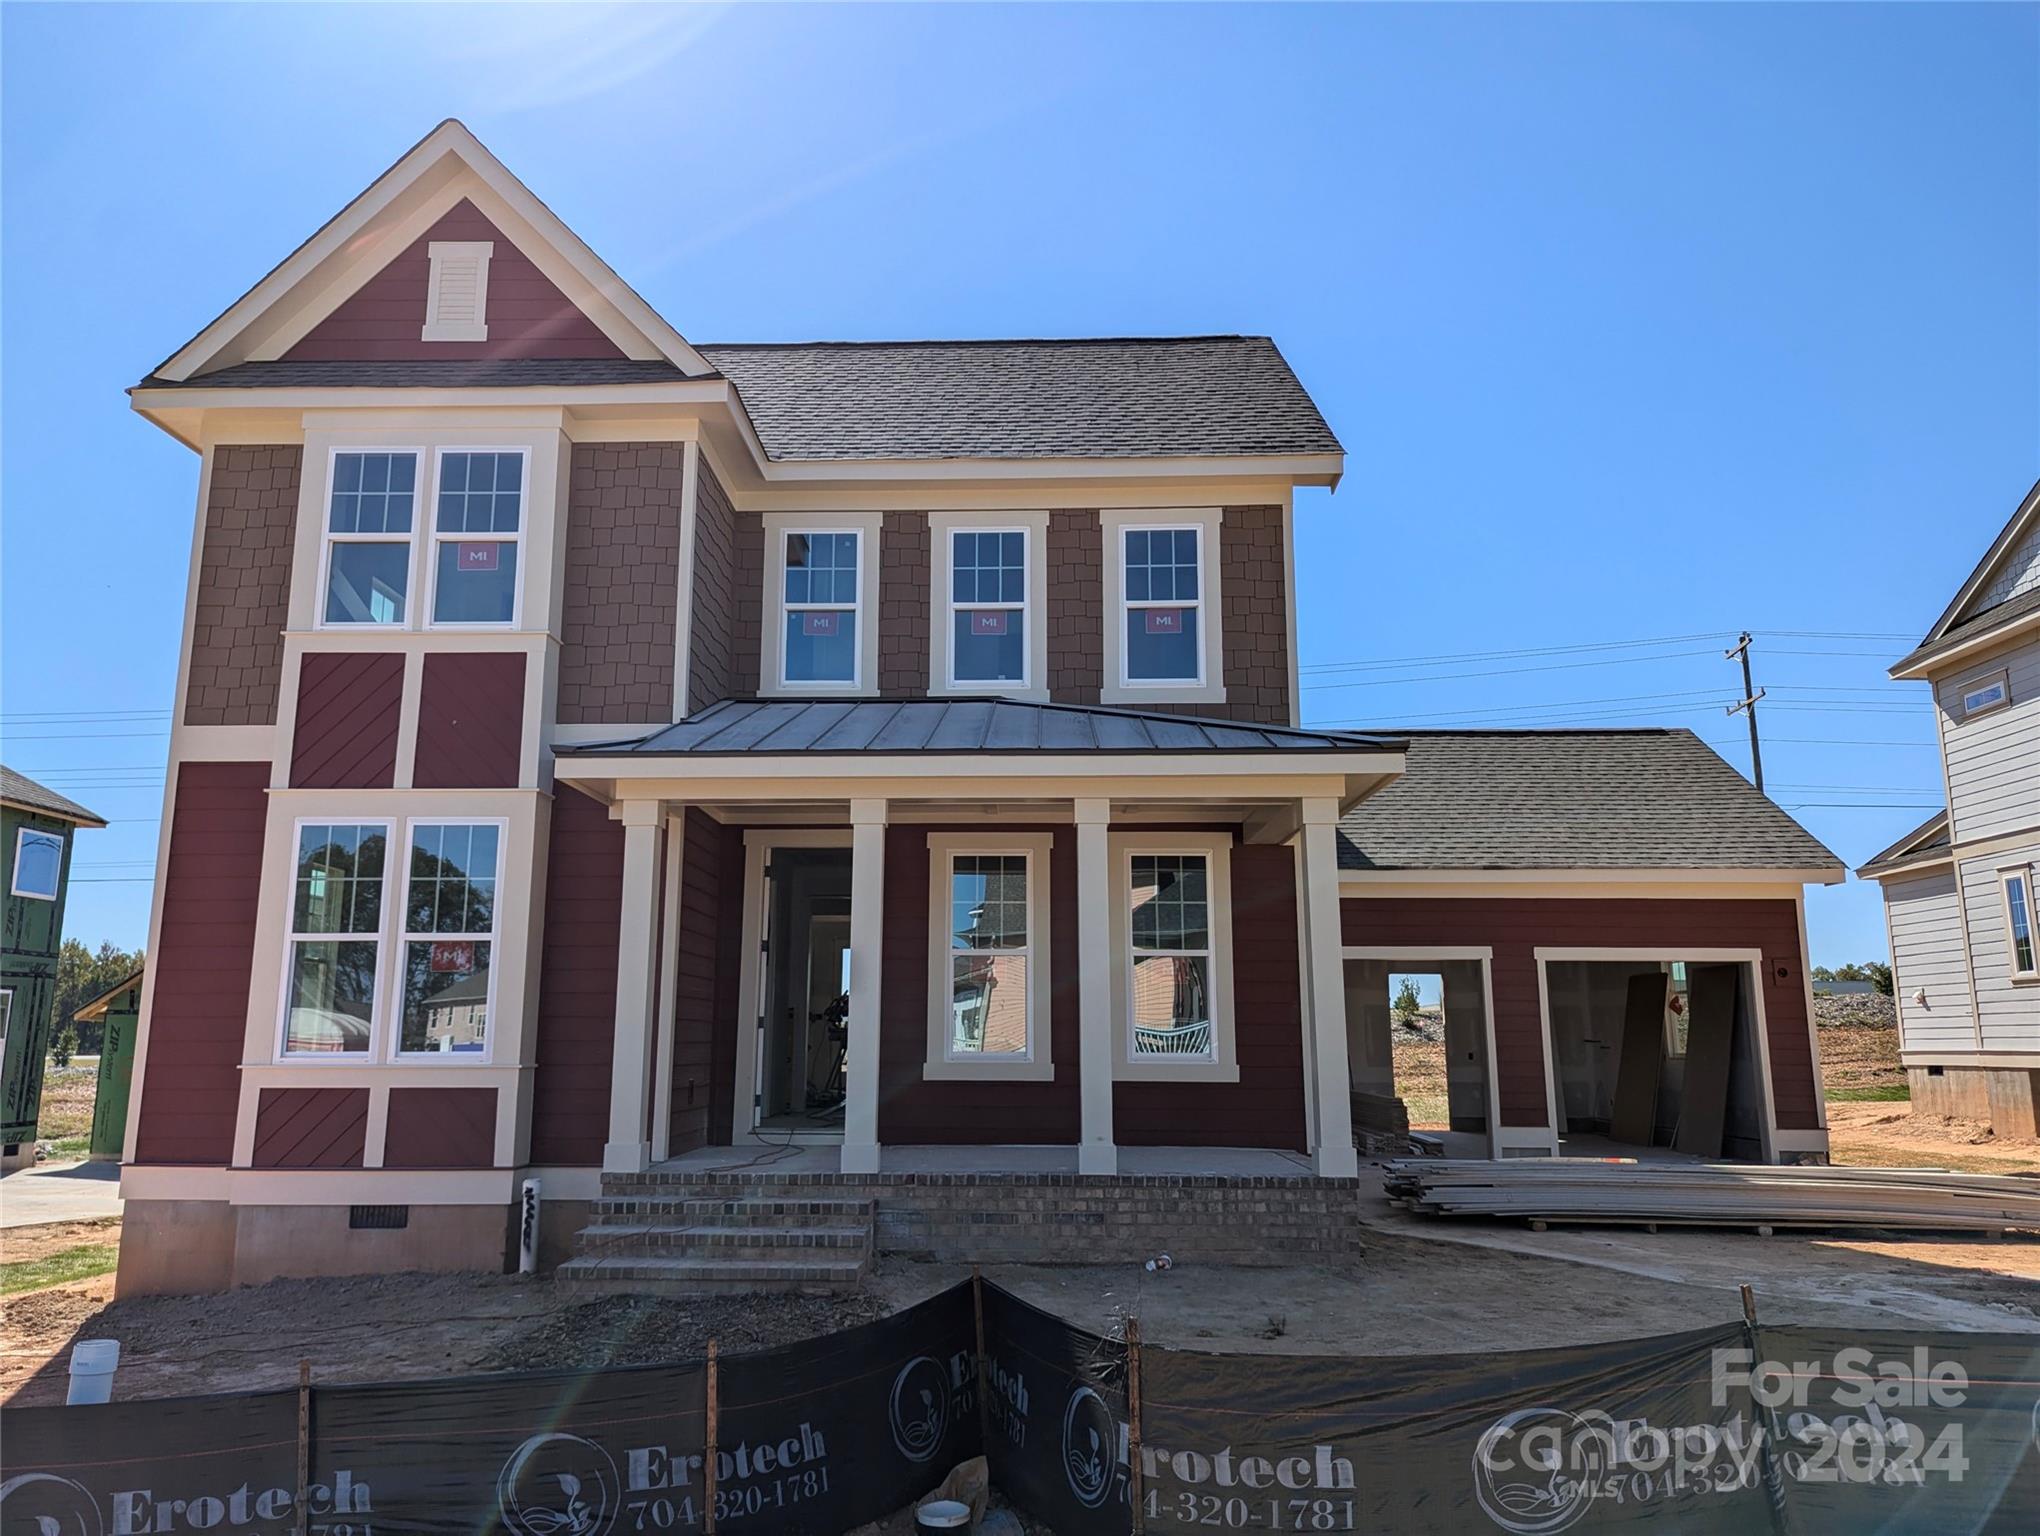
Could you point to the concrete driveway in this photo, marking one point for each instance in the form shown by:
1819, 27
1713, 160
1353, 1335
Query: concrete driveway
49, 1192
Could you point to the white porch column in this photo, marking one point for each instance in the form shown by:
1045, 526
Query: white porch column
1095, 1151
1333, 1156
629, 1149
867, 932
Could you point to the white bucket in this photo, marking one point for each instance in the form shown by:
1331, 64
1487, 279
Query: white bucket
942, 1515
92, 1367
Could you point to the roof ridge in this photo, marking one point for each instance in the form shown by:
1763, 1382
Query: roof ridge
982, 341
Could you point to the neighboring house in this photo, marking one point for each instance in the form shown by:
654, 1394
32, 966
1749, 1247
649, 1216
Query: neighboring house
1962, 890
118, 1011
594, 749
35, 870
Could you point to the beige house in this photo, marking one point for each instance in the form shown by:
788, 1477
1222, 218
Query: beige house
1960, 889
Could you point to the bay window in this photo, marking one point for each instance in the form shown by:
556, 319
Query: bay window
989, 976
449, 938
333, 949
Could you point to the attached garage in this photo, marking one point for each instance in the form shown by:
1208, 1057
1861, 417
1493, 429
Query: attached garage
1636, 913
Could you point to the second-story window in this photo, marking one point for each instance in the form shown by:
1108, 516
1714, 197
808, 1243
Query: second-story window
988, 606
821, 596
1163, 585
368, 537
477, 520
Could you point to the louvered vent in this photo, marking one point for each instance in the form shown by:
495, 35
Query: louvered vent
457, 299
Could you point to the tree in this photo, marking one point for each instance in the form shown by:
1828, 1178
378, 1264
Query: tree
1875, 972
1407, 1005
82, 976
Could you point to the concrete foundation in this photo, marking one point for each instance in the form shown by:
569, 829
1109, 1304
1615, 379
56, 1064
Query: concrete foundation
2007, 1097
178, 1247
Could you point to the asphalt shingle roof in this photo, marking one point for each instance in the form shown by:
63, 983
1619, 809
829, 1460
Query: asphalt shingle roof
1640, 799
1139, 397
1930, 837
19, 789
780, 727
1967, 629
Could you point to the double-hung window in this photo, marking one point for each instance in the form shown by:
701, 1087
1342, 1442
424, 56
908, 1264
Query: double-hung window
988, 607
38, 864
449, 938
334, 947
369, 518
477, 520
1173, 1013
822, 582
988, 984
1163, 591
2022, 928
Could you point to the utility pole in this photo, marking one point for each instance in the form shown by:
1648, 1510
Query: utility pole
1748, 706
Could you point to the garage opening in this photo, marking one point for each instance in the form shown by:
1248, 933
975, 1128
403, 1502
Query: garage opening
1656, 1058
1417, 1054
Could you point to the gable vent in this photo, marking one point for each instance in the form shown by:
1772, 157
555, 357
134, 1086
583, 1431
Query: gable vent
457, 297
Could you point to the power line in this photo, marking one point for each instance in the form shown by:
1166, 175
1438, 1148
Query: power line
1508, 653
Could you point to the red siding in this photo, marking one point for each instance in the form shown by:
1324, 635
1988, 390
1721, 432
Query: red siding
1265, 1108
527, 316
470, 720
199, 1018
311, 1128
1517, 927
910, 1108
704, 993
577, 983
441, 1128
348, 706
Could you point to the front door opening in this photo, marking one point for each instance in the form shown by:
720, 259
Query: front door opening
1416, 1051
1656, 1057
805, 1026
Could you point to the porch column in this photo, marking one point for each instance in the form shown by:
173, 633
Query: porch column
1318, 845
629, 1149
867, 931
1095, 1150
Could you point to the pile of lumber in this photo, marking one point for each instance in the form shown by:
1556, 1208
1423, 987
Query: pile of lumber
1621, 1191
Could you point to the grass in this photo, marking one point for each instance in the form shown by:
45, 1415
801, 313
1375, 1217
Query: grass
1876, 1093
84, 1262
69, 1146
67, 1098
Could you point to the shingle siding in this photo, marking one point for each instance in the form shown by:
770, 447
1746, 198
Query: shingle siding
1076, 607
904, 598
622, 580
712, 646
243, 585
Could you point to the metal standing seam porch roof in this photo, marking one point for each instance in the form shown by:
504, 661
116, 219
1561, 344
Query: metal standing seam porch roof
958, 727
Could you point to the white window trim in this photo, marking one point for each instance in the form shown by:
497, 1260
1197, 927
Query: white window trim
772, 682
942, 529
292, 938
328, 538
1223, 1067
21, 836
2024, 874
421, 588
2001, 678
1209, 685
394, 1049
432, 538
438, 252
1036, 1065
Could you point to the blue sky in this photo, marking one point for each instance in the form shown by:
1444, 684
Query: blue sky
1636, 322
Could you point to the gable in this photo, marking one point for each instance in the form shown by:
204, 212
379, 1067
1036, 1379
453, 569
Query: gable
358, 289
2017, 574
525, 313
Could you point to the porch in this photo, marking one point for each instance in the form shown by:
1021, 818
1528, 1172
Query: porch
1067, 941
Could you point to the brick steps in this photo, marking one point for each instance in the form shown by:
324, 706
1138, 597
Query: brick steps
675, 1241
